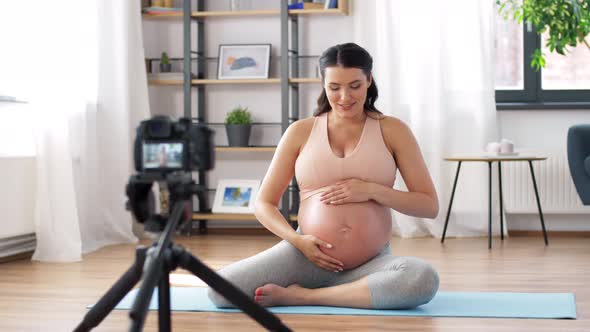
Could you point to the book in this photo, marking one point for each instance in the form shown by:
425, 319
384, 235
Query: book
330, 4
306, 5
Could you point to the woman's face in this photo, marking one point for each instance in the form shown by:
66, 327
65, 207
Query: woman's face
346, 89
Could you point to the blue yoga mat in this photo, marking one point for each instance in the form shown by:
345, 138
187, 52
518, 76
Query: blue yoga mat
444, 304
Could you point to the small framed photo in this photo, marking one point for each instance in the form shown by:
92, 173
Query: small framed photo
243, 61
235, 196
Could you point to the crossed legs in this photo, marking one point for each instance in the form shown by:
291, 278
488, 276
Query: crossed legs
282, 275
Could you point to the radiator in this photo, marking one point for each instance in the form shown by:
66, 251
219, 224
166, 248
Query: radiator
556, 188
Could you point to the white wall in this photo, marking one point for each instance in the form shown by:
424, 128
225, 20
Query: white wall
17, 170
526, 128
17, 195
544, 130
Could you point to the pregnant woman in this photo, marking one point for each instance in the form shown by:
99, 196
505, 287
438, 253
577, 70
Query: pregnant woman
345, 159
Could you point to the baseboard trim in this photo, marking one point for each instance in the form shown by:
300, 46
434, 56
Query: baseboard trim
16, 257
550, 233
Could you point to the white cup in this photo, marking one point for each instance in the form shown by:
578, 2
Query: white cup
506, 146
493, 147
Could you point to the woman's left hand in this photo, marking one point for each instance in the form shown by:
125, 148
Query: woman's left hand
347, 191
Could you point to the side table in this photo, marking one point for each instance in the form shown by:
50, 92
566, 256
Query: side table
490, 160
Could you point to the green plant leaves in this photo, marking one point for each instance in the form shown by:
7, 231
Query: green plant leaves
537, 60
567, 21
239, 115
164, 59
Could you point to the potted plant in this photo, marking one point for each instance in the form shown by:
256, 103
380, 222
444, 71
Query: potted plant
165, 66
568, 23
238, 123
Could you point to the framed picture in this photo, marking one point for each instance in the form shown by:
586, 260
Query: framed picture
243, 61
235, 196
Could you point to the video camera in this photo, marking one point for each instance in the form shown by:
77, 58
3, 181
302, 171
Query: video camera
163, 146
167, 152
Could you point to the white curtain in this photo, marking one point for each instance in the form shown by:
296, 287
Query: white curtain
106, 159
434, 66
81, 66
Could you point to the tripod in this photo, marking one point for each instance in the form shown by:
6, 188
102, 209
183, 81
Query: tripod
156, 264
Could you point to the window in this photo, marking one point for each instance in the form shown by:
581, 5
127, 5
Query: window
564, 83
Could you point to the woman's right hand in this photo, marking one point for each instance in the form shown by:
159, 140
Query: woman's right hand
309, 246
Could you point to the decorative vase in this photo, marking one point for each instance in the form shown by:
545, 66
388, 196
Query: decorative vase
238, 134
165, 67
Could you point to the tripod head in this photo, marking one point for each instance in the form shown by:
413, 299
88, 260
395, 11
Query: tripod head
141, 201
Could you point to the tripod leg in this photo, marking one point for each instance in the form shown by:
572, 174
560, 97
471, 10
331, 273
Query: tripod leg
164, 303
110, 299
229, 291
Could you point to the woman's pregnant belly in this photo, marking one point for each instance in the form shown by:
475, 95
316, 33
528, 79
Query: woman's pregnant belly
357, 231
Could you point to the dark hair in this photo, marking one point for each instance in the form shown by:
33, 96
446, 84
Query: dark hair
348, 55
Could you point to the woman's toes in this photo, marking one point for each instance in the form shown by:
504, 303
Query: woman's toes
266, 289
269, 295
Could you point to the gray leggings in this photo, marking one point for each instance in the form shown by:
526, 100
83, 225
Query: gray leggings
394, 282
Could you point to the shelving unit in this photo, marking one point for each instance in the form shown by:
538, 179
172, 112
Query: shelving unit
289, 63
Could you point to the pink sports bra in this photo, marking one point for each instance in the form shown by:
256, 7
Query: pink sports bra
317, 166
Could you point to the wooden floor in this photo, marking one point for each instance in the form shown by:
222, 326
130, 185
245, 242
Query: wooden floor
52, 297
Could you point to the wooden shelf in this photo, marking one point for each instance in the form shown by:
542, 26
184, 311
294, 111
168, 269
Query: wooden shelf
305, 80
230, 216
341, 10
164, 82
197, 14
246, 149
331, 11
215, 81
172, 15
245, 81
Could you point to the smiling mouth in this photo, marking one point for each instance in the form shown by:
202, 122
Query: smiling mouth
346, 107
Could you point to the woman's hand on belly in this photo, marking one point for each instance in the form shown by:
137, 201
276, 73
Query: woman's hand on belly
310, 245
347, 191
357, 231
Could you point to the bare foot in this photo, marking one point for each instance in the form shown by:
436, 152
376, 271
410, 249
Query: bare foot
271, 295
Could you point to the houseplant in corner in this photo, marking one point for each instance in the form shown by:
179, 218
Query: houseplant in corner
165, 66
238, 124
567, 22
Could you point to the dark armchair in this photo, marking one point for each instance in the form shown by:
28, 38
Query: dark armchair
578, 155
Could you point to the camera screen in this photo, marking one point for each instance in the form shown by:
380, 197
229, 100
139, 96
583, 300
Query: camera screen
160, 155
